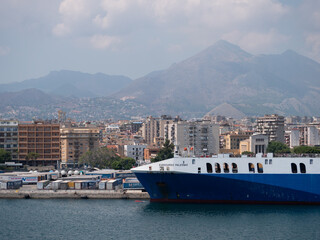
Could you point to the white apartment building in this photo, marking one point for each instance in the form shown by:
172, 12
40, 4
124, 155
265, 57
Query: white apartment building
201, 137
134, 151
273, 126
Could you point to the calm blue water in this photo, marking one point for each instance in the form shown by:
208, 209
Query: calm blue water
127, 219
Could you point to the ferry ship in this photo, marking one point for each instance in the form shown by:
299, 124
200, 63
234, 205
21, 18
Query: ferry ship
262, 179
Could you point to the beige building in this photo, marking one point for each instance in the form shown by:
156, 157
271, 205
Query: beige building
76, 141
232, 140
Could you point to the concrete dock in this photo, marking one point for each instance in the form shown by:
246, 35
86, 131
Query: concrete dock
33, 193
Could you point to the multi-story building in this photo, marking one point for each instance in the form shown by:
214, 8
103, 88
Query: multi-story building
273, 126
309, 136
135, 151
201, 137
150, 130
76, 141
41, 138
294, 137
9, 137
233, 139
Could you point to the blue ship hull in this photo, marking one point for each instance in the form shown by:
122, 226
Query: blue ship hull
232, 188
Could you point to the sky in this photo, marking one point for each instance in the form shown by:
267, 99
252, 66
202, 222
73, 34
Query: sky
136, 37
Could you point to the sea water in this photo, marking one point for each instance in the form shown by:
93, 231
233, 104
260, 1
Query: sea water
133, 219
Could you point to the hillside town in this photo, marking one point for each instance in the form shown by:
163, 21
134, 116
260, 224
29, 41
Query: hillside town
60, 143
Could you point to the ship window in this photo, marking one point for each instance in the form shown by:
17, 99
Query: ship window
209, 168
270, 161
225, 167
294, 168
302, 168
260, 167
251, 167
266, 161
199, 170
217, 168
234, 168
193, 161
311, 161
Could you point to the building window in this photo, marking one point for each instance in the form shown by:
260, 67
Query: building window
209, 168
217, 168
294, 168
260, 167
251, 167
226, 168
234, 168
302, 168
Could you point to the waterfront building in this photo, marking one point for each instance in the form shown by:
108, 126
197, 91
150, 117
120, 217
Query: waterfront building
42, 138
294, 138
77, 141
9, 137
271, 125
233, 139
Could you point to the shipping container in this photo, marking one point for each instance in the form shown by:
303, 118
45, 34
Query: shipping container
102, 185
114, 184
132, 183
124, 174
42, 184
56, 184
71, 185
64, 185
10, 184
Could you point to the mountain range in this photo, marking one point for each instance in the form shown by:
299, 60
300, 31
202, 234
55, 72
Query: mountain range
222, 80
72, 84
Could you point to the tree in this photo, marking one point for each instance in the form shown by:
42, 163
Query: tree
32, 156
165, 152
125, 163
306, 149
100, 157
247, 153
277, 147
5, 156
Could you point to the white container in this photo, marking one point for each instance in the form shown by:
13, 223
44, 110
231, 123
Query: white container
102, 185
56, 184
42, 184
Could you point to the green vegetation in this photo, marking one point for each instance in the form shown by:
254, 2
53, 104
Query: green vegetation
5, 156
306, 149
106, 158
248, 153
32, 156
277, 147
166, 152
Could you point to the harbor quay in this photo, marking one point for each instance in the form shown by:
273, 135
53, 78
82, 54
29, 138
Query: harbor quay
34, 193
102, 184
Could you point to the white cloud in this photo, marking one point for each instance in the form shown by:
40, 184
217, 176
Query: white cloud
103, 41
61, 29
313, 40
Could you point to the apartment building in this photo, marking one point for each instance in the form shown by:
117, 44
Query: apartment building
42, 138
9, 137
75, 141
271, 125
202, 137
